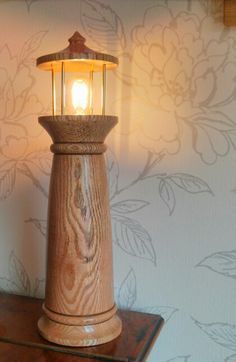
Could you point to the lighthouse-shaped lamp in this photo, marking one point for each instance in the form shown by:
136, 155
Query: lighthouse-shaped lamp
79, 308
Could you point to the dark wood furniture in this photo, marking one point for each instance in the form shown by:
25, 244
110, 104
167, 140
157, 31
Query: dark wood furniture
21, 342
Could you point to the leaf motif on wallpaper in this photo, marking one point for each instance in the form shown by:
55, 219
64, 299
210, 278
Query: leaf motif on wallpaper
102, 24
18, 274
29, 3
231, 358
223, 262
128, 206
179, 359
29, 47
186, 182
7, 285
7, 182
190, 183
215, 120
18, 280
42, 159
165, 311
221, 333
131, 237
128, 292
38, 284
113, 172
41, 225
26, 171
167, 194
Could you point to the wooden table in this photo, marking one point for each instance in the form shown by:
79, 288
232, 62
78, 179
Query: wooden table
20, 341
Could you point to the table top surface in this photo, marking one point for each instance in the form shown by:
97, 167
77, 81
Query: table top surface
21, 342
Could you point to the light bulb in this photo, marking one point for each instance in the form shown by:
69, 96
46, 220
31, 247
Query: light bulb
80, 95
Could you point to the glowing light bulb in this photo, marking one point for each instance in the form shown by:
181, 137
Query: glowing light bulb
80, 95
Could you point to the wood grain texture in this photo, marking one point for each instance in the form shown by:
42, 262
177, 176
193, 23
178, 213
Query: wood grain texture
77, 57
79, 237
19, 315
79, 304
15, 353
78, 129
230, 12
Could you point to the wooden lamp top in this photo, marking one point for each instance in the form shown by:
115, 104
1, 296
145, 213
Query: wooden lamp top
77, 57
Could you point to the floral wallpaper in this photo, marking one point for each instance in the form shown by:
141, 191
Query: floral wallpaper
170, 161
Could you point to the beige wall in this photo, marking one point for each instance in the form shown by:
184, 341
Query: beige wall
171, 159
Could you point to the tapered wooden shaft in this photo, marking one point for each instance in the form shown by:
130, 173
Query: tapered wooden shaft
79, 304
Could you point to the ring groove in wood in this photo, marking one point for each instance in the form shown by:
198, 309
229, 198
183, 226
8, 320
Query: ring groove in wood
80, 336
78, 148
80, 320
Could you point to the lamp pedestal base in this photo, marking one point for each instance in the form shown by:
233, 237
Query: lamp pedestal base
79, 307
19, 340
79, 335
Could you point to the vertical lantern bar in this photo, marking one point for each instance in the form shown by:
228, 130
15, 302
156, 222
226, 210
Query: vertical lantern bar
91, 92
62, 88
53, 93
103, 89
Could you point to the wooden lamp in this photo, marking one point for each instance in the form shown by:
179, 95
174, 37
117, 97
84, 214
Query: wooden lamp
79, 308
230, 12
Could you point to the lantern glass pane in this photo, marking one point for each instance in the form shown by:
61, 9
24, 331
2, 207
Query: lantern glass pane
77, 93
83, 93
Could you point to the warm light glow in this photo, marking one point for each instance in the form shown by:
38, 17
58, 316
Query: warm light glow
80, 96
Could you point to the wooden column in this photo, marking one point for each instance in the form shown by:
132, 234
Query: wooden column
79, 307
230, 12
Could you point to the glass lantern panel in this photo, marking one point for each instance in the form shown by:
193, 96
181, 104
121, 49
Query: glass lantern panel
77, 93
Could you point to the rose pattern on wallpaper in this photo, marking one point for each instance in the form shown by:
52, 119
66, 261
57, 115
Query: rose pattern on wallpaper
179, 74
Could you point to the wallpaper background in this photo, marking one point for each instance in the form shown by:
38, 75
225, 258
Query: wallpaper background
170, 162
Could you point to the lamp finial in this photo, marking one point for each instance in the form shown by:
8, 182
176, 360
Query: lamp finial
77, 43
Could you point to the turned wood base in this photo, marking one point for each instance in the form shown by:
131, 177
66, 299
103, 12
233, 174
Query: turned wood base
79, 308
79, 331
79, 335
20, 340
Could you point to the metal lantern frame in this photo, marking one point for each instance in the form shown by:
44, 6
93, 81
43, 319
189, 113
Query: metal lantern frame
77, 57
